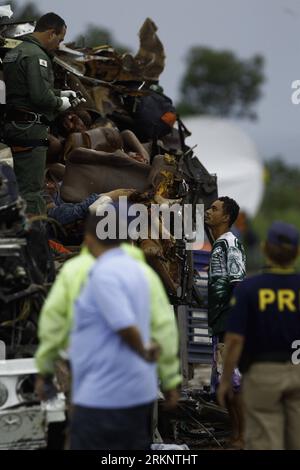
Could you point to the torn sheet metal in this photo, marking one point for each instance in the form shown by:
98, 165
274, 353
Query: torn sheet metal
105, 63
6, 11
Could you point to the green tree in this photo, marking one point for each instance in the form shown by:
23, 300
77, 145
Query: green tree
282, 186
95, 36
29, 12
219, 83
281, 196
92, 36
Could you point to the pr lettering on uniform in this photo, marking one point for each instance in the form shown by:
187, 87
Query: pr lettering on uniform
284, 298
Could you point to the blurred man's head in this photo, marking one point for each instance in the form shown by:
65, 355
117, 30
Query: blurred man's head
222, 213
93, 239
108, 230
282, 244
50, 29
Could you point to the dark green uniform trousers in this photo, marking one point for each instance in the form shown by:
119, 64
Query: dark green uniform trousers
29, 166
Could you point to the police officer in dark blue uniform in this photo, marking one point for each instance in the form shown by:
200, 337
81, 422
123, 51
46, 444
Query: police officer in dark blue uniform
263, 336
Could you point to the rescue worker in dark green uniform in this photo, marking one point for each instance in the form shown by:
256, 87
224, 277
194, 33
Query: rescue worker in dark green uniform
32, 103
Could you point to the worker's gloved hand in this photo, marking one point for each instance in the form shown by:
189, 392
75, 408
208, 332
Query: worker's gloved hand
66, 104
77, 101
68, 94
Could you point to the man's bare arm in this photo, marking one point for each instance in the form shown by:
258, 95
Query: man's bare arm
132, 337
233, 346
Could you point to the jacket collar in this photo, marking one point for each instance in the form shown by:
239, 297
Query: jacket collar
31, 38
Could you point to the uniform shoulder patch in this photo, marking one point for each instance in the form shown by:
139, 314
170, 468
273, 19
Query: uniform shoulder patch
43, 63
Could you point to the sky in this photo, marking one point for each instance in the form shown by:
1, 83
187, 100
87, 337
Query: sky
247, 27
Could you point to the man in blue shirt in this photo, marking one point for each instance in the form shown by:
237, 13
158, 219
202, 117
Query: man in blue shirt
263, 331
113, 369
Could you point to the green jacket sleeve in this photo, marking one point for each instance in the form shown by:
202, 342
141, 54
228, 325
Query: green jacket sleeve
40, 88
54, 325
164, 331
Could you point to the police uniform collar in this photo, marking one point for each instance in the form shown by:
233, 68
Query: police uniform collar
278, 270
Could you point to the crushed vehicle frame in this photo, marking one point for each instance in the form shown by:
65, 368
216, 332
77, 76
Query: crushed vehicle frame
115, 88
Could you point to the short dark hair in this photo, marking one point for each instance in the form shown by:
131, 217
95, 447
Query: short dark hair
91, 228
231, 208
50, 21
283, 254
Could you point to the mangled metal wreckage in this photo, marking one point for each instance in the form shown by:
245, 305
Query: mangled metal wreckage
126, 135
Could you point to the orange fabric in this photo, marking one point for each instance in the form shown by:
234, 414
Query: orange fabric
58, 247
169, 118
18, 149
